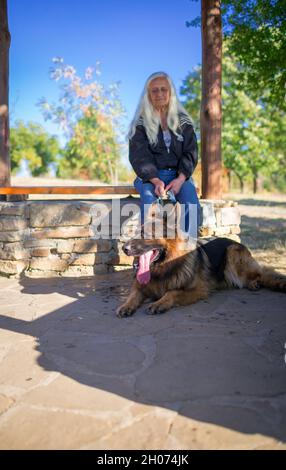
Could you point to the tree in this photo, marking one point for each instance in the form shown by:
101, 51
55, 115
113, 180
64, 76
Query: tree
247, 130
277, 143
92, 152
232, 119
192, 89
256, 30
90, 115
32, 143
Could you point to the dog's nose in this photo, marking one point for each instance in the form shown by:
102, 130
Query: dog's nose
127, 249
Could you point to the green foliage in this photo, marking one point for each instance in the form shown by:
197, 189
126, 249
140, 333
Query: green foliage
125, 174
277, 140
32, 143
90, 115
253, 134
92, 152
257, 38
192, 92
246, 128
256, 35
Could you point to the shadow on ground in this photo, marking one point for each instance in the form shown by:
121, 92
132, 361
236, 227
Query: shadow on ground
220, 361
262, 232
261, 202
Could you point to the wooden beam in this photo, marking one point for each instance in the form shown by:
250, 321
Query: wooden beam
67, 190
4, 95
211, 115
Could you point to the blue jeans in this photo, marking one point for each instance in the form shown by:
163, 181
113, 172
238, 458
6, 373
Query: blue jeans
187, 196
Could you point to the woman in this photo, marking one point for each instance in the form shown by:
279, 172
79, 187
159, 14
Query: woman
163, 149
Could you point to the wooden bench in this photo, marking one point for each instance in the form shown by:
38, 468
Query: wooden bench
13, 190
76, 190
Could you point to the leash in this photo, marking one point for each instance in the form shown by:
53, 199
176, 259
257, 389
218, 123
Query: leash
161, 200
169, 197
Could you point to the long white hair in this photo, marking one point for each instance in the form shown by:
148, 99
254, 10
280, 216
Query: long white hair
146, 115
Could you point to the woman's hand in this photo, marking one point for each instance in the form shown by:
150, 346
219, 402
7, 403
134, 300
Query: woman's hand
176, 184
159, 186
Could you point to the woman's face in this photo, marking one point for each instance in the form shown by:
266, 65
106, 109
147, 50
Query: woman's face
159, 93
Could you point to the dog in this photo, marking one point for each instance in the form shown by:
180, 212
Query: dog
172, 275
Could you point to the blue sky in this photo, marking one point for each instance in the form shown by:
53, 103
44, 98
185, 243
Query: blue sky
131, 39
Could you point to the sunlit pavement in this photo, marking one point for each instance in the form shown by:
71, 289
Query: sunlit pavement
74, 376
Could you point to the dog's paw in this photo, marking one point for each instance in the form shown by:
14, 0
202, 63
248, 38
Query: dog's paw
156, 307
124, 311
253, 285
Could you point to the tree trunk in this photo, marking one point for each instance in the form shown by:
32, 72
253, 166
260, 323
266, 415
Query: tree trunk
254, 183
4, 95
211, 115
229, 180
241, 184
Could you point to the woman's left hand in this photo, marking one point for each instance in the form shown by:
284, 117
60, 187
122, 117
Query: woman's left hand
176, 184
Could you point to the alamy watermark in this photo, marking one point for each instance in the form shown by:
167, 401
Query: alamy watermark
116, 220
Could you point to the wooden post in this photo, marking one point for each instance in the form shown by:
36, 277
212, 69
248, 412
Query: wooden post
4, 95
211, 115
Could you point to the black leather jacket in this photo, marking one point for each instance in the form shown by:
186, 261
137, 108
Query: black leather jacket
147, 159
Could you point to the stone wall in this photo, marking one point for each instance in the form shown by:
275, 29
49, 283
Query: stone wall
60, 238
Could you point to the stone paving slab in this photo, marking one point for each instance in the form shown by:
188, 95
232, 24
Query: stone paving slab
74, 376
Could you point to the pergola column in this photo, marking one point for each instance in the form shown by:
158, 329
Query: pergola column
211, 114
4, 95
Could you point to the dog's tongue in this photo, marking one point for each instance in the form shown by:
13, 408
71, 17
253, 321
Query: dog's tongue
143, 274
